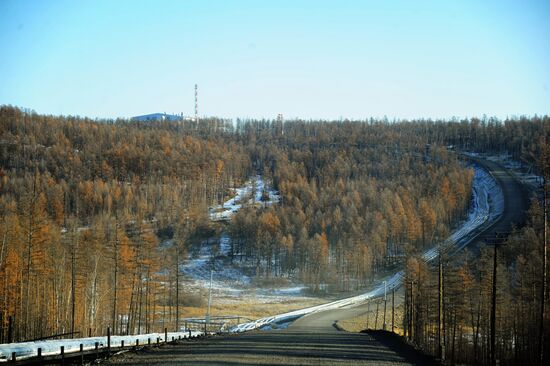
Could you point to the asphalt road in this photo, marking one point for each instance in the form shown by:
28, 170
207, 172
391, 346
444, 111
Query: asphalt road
286, 347
323, 321
516, 202
313, 339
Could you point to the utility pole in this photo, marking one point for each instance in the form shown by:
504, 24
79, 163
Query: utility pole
368, 314
544, 274
177, 286
493, 306
410, 312
392, 309
542, 158
385, 302
207, 320
114, 316
73, 277
440, 325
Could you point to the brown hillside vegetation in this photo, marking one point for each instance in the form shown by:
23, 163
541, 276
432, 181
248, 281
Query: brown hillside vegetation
85, 204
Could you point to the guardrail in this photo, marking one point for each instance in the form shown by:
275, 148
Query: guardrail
86, 349
214, 324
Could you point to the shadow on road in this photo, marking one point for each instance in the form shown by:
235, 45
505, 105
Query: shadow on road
396, 343
283, 348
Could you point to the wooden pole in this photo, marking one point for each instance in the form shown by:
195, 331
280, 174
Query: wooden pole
544, 274
177, 286
368, 314
406, 311
385, 304
392, 310
376, 318
440, 344
108, 341
410, 317
493, 307
73, 276
10, 329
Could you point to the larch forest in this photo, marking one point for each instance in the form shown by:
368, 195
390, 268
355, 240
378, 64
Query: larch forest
85, 205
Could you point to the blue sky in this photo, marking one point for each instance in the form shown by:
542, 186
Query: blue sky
306, 59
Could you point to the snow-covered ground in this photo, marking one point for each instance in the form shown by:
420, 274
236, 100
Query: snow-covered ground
230, 282
233, 281
25, 350
487, 206
231, 285
243, 195
198, 266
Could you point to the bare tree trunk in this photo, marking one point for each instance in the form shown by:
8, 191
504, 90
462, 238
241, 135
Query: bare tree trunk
29, 254
140, 302
73, 276
543, 287
440, 345
115, 269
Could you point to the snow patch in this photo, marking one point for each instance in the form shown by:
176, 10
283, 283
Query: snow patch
244, 196
24, 350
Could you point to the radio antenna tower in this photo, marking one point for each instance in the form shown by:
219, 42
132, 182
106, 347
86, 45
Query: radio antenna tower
196, 104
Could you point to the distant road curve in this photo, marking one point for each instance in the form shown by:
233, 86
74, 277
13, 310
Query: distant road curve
516, 202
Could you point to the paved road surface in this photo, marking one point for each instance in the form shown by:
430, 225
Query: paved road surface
516, 201
310, 340
288, 347
313, 339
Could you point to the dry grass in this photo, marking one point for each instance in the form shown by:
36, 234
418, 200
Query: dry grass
369, 321
253, 310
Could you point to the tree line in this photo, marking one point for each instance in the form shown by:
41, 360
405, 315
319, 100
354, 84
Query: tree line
96, 215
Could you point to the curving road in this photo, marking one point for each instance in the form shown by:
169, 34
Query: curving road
516, 201
312, 339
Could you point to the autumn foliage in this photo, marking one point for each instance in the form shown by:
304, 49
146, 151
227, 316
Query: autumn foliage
96, 216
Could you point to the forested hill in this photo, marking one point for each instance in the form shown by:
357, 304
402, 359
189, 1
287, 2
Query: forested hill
84, 205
